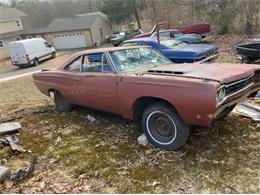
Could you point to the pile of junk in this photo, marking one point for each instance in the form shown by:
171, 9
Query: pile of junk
10, 143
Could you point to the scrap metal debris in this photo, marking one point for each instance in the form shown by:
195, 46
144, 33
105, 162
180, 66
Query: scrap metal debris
91, 118
142, 140
8, 138
249, 110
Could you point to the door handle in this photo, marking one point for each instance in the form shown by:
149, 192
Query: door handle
86, 76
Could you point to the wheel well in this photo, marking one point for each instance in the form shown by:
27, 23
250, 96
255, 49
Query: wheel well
142, 103
50, 91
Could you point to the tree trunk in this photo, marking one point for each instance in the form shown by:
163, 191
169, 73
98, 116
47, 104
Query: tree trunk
137, 18
249, 18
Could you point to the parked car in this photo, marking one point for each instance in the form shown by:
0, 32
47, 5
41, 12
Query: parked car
249, 51
175, 34
30, 51
177, 51
125, 35
201, 29
141, 84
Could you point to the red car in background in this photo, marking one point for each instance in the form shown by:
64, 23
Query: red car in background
201, 29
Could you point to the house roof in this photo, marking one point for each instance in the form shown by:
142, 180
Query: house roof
10, 13
78, 22
10, 34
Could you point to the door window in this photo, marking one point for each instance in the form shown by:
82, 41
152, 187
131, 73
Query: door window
74, 66
96, 63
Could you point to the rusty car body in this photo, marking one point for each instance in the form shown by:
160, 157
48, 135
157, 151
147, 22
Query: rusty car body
139, 83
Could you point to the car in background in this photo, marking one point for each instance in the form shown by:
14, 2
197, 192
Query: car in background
201, 29
125, 35
141, 84
30, 52
177, 51
175, 34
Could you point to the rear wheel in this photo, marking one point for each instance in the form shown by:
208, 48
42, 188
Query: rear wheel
53, 55
163, 127
36, 62
61, 104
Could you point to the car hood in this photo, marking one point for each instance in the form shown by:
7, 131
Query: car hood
223, 73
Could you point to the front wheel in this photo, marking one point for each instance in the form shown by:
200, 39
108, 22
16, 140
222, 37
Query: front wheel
163, 127
61, 104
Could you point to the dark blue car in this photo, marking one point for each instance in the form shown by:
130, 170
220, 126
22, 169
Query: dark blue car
177, 51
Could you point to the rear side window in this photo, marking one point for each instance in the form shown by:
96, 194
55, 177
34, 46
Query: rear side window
74, 66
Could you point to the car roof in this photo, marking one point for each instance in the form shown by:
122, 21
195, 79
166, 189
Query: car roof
97, 50
107, 49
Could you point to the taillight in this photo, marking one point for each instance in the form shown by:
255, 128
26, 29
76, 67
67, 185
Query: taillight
27, 58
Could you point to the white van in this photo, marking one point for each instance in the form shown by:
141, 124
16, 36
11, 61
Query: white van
30, 51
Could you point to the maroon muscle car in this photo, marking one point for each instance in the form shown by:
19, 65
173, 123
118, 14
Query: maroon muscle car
140, 84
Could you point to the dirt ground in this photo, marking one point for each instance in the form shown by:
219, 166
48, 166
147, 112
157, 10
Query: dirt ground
76, 156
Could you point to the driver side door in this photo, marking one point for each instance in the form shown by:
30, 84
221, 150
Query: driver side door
96, 84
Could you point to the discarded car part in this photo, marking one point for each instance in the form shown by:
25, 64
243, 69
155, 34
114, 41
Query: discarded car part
9, 128
128, 80
14, 143
142, 140
22, 174
5, 173
249, 110
250, 52
91, 118
8, 138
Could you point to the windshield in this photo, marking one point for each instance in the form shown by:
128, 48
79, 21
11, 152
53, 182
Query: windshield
171, 43
137, 58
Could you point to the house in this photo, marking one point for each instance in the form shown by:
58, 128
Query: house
11, 28
83, 30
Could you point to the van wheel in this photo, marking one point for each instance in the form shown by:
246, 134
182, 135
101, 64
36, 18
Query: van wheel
163, 127
36, 62
53, 55
61, 104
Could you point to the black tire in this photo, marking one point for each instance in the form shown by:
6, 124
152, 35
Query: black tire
36, 62
245, 60
53, 55
61, 104
163, 127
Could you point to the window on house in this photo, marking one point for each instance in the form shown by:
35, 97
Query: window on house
1, 44
18, 38
18, 23
101, 32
